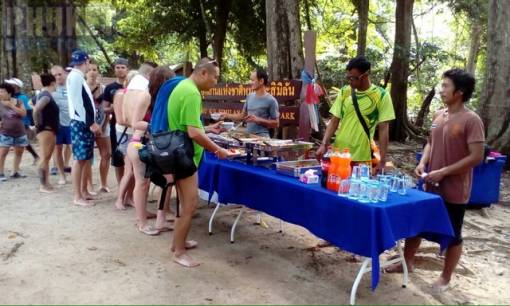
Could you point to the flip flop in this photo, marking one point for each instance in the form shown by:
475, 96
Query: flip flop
84, 203
148, 230
190, 244
164, 229
185, 261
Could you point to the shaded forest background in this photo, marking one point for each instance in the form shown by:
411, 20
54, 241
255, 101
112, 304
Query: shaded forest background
409, 42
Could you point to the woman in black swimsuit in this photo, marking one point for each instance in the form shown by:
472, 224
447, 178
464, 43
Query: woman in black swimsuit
46, 118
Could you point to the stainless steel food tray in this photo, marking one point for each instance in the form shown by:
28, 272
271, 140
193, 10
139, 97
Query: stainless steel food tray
295, 168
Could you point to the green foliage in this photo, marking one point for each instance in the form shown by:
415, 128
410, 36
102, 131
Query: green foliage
169, 31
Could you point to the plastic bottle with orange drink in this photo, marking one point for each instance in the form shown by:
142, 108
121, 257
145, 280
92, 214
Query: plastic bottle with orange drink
333, 179
343, 169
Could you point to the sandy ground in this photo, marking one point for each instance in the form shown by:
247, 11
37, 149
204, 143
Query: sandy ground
54, 253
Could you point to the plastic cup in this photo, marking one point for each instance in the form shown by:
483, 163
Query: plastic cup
354, 189
343, 189
373, 192
363, 192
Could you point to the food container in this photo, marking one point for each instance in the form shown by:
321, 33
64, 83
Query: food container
215, 116
298, 167
227, 125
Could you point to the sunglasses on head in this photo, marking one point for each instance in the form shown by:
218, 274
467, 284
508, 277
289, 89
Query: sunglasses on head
214, 62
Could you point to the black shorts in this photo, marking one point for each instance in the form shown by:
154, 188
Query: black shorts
456, 214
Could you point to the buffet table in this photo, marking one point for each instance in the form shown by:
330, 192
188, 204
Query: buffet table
363, 229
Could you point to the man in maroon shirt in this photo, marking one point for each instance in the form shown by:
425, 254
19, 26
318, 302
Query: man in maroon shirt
454, 147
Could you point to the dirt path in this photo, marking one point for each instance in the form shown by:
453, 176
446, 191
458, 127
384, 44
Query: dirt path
54, 253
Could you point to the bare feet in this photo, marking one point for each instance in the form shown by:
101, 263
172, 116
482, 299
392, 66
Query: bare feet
397, 268
150, 215
120, 206
104, 189
47, 189
185, 260
190, 244
439, 286
83, 202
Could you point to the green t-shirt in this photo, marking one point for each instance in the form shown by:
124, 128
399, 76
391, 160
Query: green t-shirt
184, 109
375, 106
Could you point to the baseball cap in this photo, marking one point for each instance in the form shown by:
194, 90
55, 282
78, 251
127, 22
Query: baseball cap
121, 61
78, 57
15, 81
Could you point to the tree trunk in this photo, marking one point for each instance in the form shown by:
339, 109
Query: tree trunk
425, 108
474, 47
284, 42
400, 69
362, 7
202, 41
220, 31
277, 36
297, 61
495, 101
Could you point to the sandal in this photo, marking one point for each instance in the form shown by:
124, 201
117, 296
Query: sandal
148, 230
164, 229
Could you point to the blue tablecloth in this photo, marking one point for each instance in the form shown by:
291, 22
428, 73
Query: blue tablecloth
363, 229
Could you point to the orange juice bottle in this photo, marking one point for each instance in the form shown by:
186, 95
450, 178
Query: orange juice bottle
344, 165
332, 172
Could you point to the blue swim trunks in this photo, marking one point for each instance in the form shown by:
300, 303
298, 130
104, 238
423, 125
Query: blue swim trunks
82, 139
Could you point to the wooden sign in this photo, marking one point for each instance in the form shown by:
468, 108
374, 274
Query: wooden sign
284, 90
289, 115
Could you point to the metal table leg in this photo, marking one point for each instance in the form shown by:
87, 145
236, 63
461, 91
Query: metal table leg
232, 231
212, 217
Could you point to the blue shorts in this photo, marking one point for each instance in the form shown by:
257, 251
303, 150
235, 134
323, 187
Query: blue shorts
64, 135
7, 141
82, 139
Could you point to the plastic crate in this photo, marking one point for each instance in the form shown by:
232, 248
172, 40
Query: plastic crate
486, 181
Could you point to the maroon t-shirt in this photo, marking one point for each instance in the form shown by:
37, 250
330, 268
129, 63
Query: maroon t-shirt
450, 135
12, 123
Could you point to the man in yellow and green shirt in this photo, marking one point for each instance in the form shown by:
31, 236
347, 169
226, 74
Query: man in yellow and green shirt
376, 109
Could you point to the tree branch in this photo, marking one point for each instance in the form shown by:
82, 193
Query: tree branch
94, 37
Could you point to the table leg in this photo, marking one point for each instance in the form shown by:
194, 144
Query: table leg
232, 231
404, 264
212, 217
362, 271
259, 219
281, 226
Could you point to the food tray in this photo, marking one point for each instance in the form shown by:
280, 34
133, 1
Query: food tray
283, 146
297, 167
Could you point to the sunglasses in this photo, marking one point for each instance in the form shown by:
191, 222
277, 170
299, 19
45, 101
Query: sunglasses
354, 78
214, 62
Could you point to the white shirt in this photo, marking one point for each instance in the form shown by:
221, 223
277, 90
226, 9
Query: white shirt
138, 82
75, 84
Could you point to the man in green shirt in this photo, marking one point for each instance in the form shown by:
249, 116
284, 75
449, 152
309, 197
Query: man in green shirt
376, 109
184, 111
